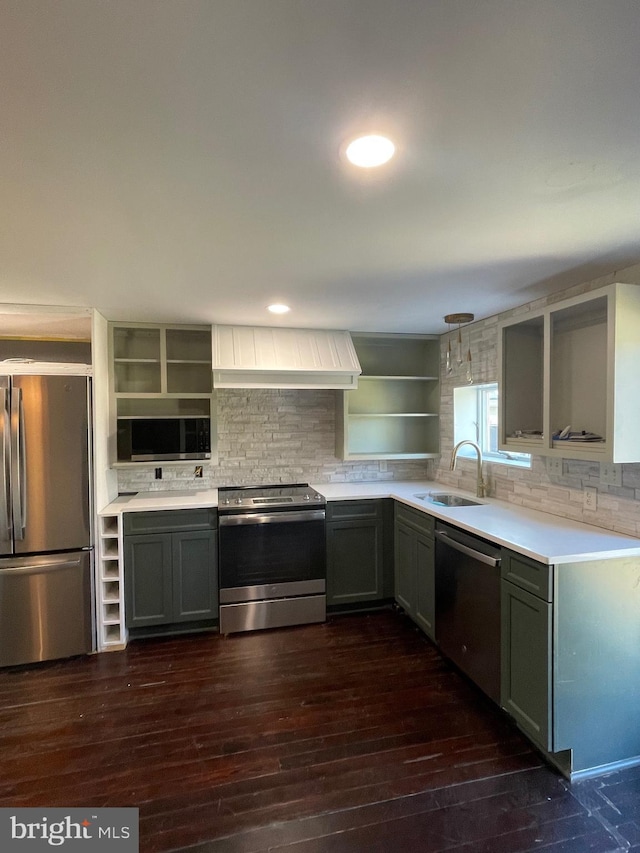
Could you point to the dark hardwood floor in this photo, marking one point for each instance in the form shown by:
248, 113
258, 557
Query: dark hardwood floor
351, 736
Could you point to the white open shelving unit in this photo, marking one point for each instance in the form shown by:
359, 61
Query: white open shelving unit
160, 371
394, 411
112, 634
574, 364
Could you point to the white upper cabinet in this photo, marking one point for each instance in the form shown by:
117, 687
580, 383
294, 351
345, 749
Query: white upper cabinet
159, 372
570, 378
263, 357
394, 412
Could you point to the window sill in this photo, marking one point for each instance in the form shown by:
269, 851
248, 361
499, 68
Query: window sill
496, 459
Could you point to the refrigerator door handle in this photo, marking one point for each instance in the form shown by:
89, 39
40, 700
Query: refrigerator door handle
39, 568
18, 464
5, 529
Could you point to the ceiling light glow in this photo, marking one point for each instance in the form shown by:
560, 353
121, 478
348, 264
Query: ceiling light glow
278, 308
370, 151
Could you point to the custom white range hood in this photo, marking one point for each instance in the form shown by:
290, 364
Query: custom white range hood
262, 357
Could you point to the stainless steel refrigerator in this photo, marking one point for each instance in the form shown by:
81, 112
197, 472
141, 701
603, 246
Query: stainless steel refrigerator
45, 529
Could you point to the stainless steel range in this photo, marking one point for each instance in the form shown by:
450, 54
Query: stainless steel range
272, 557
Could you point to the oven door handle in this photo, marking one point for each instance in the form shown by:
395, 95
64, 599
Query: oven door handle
272, 517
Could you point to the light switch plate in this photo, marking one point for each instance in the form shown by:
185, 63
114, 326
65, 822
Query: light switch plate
610, 474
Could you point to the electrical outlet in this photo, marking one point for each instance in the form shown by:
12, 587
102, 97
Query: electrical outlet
383, 467
198, 471
610, 474
554, 465
158, 473
590, 498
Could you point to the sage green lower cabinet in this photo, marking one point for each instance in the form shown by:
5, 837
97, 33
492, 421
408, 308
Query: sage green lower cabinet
170, 569
571, 659
148, 580
415, 566
195, 579
359, 553
525, 687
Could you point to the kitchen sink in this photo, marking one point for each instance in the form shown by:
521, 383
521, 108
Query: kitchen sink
446, 499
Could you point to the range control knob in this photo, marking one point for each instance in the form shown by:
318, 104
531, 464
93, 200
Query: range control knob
306, 497
238, 500
226, 501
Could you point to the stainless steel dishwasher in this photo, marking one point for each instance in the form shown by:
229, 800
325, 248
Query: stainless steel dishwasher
468, 605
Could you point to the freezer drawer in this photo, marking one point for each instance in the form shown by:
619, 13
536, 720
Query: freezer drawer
45, 607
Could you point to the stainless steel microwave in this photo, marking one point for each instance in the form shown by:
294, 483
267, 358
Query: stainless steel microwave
163, 439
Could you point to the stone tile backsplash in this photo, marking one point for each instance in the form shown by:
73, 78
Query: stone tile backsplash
273, 436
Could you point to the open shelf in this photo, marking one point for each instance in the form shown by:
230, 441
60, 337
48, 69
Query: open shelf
574, 364
394, 411
523, 387
160, 372
110, 624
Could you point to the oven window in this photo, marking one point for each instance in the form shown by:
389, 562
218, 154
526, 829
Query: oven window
253, 554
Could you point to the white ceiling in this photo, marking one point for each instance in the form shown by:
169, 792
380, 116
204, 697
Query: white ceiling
179, 160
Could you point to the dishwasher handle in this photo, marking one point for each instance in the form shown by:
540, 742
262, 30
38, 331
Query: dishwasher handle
487, 559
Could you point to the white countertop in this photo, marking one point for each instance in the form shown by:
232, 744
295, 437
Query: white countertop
162, 499
539, 535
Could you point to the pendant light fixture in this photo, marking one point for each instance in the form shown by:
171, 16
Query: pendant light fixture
459, 320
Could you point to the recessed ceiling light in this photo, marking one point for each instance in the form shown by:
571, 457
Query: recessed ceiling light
278, 308
370, 151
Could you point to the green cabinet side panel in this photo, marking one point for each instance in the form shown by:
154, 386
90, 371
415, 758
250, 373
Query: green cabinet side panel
148, 585
597, 661
195, 576
526, 662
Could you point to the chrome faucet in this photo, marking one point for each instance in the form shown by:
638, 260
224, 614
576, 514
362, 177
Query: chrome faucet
481, 487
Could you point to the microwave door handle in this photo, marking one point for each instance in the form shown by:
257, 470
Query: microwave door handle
5, 475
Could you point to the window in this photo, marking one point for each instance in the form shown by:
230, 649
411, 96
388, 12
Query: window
475, 417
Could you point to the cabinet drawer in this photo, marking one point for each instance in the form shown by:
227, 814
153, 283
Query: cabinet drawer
169, 521
415, 519
528, 574
352, 510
